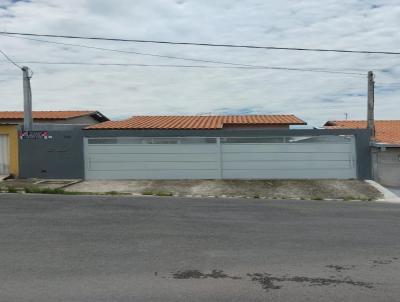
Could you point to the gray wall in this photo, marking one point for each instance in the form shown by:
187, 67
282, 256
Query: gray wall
387, 166
60, 157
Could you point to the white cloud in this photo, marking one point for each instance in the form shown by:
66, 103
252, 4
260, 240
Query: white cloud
125, 91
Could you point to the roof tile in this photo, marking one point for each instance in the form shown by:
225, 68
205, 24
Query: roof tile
198, 121
44, 115
386, 131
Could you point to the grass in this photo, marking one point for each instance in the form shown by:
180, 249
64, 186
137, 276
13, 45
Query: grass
148, 192
362, 198
12, 190
45, 190
157, 193
36, 190
316, 198
111, 193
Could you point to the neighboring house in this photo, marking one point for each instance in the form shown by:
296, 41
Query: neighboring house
54, 117
10, 122
385, 148
218, 147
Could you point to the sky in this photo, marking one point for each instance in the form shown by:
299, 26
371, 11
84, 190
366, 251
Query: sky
123, 91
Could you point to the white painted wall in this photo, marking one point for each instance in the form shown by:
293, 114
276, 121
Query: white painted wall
4, 155
387, 167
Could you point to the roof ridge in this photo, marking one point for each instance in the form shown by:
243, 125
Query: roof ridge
50, 110
376, 120
206, 115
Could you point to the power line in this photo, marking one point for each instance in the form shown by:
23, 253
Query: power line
133, 52
249, 66
9, 59
185, 66
388, 84
205, 44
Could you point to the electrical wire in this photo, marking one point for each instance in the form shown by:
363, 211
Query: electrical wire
9, 59
205, 44
249, 66
182, 66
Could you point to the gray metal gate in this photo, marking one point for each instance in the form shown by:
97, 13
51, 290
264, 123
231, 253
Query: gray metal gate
220, 158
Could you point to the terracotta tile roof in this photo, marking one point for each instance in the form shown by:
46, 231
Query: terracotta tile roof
44, 115
198, 122
386, 131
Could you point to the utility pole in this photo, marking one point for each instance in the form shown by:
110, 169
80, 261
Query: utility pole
28, 120
371, 101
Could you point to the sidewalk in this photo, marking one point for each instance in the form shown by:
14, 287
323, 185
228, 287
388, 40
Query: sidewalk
271, 189
389, 194
395, 190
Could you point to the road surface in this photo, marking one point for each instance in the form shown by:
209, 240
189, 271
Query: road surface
97, 248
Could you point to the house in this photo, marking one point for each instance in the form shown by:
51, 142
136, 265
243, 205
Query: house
220, 147
385, 148
54, 117
10, 122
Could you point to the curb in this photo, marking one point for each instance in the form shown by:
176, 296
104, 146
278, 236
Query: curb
388, 196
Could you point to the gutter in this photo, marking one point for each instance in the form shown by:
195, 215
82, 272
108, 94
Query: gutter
384, 145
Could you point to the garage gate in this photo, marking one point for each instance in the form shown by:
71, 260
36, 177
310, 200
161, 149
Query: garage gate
220, 158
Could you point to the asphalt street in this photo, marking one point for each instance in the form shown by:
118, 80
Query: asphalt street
98, 248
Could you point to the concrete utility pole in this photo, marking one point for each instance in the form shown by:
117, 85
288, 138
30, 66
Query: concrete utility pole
28, 120
371, 101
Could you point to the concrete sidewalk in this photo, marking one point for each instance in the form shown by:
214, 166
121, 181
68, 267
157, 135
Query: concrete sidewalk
395, 190
272, 189
389, 194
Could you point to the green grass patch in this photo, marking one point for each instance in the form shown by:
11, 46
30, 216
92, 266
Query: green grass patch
362, 198
11, 189
37, 190
45, 190
164, 193
157, 193
317, 198
112, 193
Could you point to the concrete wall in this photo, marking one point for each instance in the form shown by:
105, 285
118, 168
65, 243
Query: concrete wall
12, 132
60, 157
387, 166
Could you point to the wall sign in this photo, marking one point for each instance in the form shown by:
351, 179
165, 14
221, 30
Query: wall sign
35, 135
